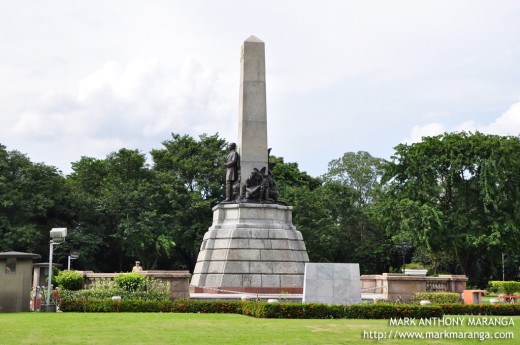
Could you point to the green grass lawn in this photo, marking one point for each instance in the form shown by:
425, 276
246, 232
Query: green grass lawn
173, 328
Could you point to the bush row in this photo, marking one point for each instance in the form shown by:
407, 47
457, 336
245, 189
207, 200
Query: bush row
126, 285
149, 305
482, 309
506, 287
287, 310
437, 297
325, 311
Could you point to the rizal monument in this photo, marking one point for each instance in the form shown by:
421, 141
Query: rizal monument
252, 245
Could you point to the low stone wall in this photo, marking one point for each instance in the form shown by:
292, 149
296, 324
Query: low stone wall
396, 286
179, 280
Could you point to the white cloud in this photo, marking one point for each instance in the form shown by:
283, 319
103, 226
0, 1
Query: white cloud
506, 124
341, 75
428, 130
136, 105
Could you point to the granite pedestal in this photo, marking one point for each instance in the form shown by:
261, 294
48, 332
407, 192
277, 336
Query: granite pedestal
251, 248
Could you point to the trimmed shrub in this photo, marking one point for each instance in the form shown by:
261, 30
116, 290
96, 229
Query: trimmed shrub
437, 297
196, 306
325, 311
302, 311
506, 287
69, 280
482, 309
104, 288
146, 306
130, 281
254, 309
387, 311
288, 310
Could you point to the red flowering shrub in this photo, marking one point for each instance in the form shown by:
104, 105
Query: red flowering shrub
288, 310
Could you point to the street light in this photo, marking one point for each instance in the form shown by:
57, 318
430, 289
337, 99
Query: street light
404, 246
74, 254
57, 237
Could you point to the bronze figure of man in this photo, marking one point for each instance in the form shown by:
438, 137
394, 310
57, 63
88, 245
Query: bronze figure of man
233, 170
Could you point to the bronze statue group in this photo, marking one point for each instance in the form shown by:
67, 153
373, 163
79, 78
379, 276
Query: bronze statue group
259, 187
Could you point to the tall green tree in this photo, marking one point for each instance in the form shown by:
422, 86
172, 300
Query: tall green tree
123, 210
333, 212
193, 174
360, 171
114, 215
456, 194
197, 163
365, 240
290, 175
31, 202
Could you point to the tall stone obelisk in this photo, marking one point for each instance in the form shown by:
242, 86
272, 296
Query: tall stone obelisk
252, 245
252, 110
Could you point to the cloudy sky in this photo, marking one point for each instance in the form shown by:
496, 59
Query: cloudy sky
86, 78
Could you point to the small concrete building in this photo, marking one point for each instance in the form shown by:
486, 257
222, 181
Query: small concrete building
16, 270
41, 273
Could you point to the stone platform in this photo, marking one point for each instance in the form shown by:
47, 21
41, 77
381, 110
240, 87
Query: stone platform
252, 248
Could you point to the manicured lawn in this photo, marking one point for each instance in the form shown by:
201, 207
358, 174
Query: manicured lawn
163, 328
486, 298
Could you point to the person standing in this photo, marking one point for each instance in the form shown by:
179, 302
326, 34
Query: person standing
233, 170
137, 267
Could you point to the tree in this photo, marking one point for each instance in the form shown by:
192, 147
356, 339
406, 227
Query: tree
360, 171
289, 175
124, 210
192, 174
456, 194
31, 202
112, 201
364, 240
198, 164
333, 213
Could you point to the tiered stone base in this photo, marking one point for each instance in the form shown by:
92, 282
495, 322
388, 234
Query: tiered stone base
252, 248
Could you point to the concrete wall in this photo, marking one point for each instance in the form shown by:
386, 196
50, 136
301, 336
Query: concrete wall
394, 286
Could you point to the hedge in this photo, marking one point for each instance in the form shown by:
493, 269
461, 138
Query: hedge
481, 309
288, 310
146, 306
437, 297
506, 287
325, 311
69, 280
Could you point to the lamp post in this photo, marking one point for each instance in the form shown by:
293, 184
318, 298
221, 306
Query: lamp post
404, 246
74, 254
503, 269
57, 237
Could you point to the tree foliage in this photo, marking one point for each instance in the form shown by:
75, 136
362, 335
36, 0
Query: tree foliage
125, 210
119, 208
334, 212
360, 171
31, 202
196, 169
454, 198
456, 194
